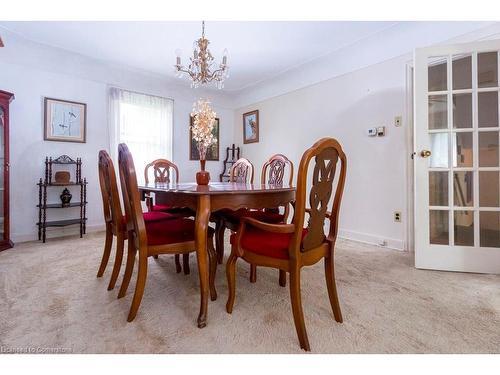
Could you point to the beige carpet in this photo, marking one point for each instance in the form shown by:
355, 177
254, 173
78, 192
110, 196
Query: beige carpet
50, 298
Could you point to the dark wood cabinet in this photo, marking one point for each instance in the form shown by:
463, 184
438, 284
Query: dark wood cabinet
5, 99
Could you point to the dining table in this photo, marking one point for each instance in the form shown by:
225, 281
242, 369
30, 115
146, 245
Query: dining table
206, 199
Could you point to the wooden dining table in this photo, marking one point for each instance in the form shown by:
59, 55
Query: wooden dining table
205, 199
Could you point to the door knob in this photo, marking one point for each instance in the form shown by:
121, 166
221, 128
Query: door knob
425, 153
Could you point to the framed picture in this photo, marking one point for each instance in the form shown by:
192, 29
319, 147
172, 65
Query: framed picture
213, 150
65, 121
251, 127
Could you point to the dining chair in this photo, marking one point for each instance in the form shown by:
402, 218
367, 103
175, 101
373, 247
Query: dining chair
289, 247
162, 172
242, 171
273, 173
176, 236
113, 217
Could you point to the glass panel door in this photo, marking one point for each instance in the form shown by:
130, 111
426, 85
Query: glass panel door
457, 168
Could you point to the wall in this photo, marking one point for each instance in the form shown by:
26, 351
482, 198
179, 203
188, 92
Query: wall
30, 82
344, 108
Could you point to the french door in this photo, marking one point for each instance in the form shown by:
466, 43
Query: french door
457, 170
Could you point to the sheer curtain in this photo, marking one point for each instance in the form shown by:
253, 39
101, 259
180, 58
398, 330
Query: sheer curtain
144, 123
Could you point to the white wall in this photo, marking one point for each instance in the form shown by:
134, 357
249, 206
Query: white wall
344, 108
31, 83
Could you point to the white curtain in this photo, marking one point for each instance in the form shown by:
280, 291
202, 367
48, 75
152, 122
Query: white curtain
144, 123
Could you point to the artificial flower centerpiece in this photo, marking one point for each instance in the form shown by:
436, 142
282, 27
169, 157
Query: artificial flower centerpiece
202, 127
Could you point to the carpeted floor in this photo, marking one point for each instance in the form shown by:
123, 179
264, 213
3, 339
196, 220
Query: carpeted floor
50, 298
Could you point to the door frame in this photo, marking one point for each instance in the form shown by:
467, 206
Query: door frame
410, 163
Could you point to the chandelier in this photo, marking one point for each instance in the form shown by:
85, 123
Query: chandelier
201, 67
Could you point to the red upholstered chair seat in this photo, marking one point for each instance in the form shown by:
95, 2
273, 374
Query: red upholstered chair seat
179, 211
154, 216
258, 241
272, 216
158, 216
171, 231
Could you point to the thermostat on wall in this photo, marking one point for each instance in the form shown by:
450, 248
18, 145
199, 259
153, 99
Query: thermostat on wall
372, 132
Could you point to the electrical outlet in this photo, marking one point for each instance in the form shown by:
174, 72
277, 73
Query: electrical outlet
397, 216
398, 121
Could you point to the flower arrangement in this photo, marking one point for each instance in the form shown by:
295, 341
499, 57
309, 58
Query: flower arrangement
203, 125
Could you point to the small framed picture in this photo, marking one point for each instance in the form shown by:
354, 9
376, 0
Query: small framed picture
213, 150
65, 121
251, 127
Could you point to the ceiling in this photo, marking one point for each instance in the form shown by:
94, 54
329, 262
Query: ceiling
258, 51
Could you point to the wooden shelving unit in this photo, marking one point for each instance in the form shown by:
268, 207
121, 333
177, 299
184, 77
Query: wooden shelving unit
43, 205
232, 155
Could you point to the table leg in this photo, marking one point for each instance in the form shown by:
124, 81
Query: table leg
201, 223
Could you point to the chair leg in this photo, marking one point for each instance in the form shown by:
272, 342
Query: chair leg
107, 251
332, 288
178, 267
185, 263
219, 240
282, 280
231, 280
298, 314
140, 284
212, 257
120, 242
253, 273
128, 269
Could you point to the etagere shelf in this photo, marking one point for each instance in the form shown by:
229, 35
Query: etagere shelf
48, 182
232, 155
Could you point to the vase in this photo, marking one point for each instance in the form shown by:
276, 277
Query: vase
202, 177
65, 197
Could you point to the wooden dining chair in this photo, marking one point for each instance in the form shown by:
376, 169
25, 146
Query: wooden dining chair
162, 172
176, 236
289, 247
273, 173
242, 171
113, 217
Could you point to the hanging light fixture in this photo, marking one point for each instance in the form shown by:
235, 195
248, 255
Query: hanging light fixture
201, 68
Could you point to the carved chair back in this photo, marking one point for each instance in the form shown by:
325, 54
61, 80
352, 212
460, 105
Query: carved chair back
131, 200
242, 171
109, 192
161, 170
275, 169
325, 154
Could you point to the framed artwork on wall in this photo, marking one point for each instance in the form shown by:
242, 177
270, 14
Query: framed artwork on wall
65, 121
213, 150
251, 127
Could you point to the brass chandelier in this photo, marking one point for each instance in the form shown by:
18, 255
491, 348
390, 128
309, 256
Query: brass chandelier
201, 64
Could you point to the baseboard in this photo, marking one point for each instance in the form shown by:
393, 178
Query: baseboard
53, 233
371, 239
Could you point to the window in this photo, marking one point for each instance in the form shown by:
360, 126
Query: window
144, 123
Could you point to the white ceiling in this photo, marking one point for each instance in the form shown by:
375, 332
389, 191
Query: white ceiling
258, 51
